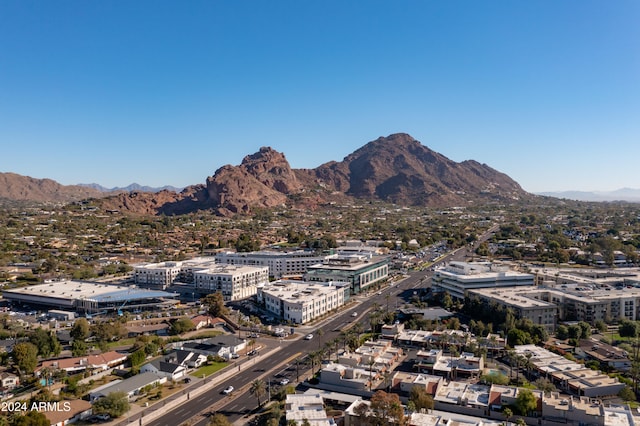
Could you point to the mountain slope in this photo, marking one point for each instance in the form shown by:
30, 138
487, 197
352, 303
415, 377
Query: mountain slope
396, 169
25, 188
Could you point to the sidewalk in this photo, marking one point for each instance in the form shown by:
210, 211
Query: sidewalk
144, 415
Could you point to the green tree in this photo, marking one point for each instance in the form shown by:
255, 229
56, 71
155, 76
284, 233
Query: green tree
219, 420
31, 418
627, 394
78, 348
181, 325
80, 329
258, 389
215, 304
507, 414
137, 358
562, 332
421, 399
115, 404
46, 342
526, 402
25, 355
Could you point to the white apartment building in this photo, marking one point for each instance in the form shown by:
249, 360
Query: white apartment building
458, 277
518, 299
301, 301
234, 282
281, 264
156, 275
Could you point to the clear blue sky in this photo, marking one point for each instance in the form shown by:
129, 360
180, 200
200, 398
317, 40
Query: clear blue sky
166, 92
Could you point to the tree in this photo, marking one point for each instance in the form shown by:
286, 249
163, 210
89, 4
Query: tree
219, 420
115, 404
25, 355
627, 394
215, 304
562, 332
421, 399
80, 329
628, 328
46, 342
258, 389
137, 358
181, 325
31, 418
507, 414
526, 402
78, 348
386, 409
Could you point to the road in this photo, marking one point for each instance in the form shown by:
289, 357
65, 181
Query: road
241, 403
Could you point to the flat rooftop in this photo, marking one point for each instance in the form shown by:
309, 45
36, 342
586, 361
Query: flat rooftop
81, 290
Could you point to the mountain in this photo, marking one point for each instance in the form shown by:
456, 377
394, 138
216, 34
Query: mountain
401, 170
396, 169
622, 194
130, 188
24, 188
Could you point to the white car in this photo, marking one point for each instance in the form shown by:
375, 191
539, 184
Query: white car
308, 337
355, 314
284, 382
228, 390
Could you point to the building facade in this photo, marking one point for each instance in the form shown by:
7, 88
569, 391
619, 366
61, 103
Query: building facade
281, 264
360, 271
300, 302
233, 281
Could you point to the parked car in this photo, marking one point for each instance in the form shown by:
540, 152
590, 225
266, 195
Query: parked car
228, 390
308, 337
252, 353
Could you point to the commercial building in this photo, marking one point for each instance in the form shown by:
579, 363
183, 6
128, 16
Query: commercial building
359, 270
87, 297
281, 264
302, 301
307, 409
233, 281
161, 275
456, 278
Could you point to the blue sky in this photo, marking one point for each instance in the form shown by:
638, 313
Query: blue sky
166, 92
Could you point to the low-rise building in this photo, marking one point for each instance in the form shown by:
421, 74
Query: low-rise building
568, 375
307, 409
232, 281
131, 386
300, 301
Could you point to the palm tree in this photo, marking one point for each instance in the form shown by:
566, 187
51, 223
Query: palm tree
320, 333
507, 414
258, 389
371, 363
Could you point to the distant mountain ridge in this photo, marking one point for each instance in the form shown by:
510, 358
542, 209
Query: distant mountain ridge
622, 194
397, 169
132, 187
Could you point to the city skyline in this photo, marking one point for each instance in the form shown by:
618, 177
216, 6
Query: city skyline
160, 93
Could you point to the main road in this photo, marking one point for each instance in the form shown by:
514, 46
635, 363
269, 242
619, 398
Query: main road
283, 362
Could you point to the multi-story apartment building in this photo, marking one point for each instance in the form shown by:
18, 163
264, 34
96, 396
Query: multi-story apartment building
521, 303
458, 277
281, 264
156, 276
301, 301
546, 306
234, 282
359, 270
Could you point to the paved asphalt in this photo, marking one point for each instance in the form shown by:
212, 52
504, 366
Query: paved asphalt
241, 403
